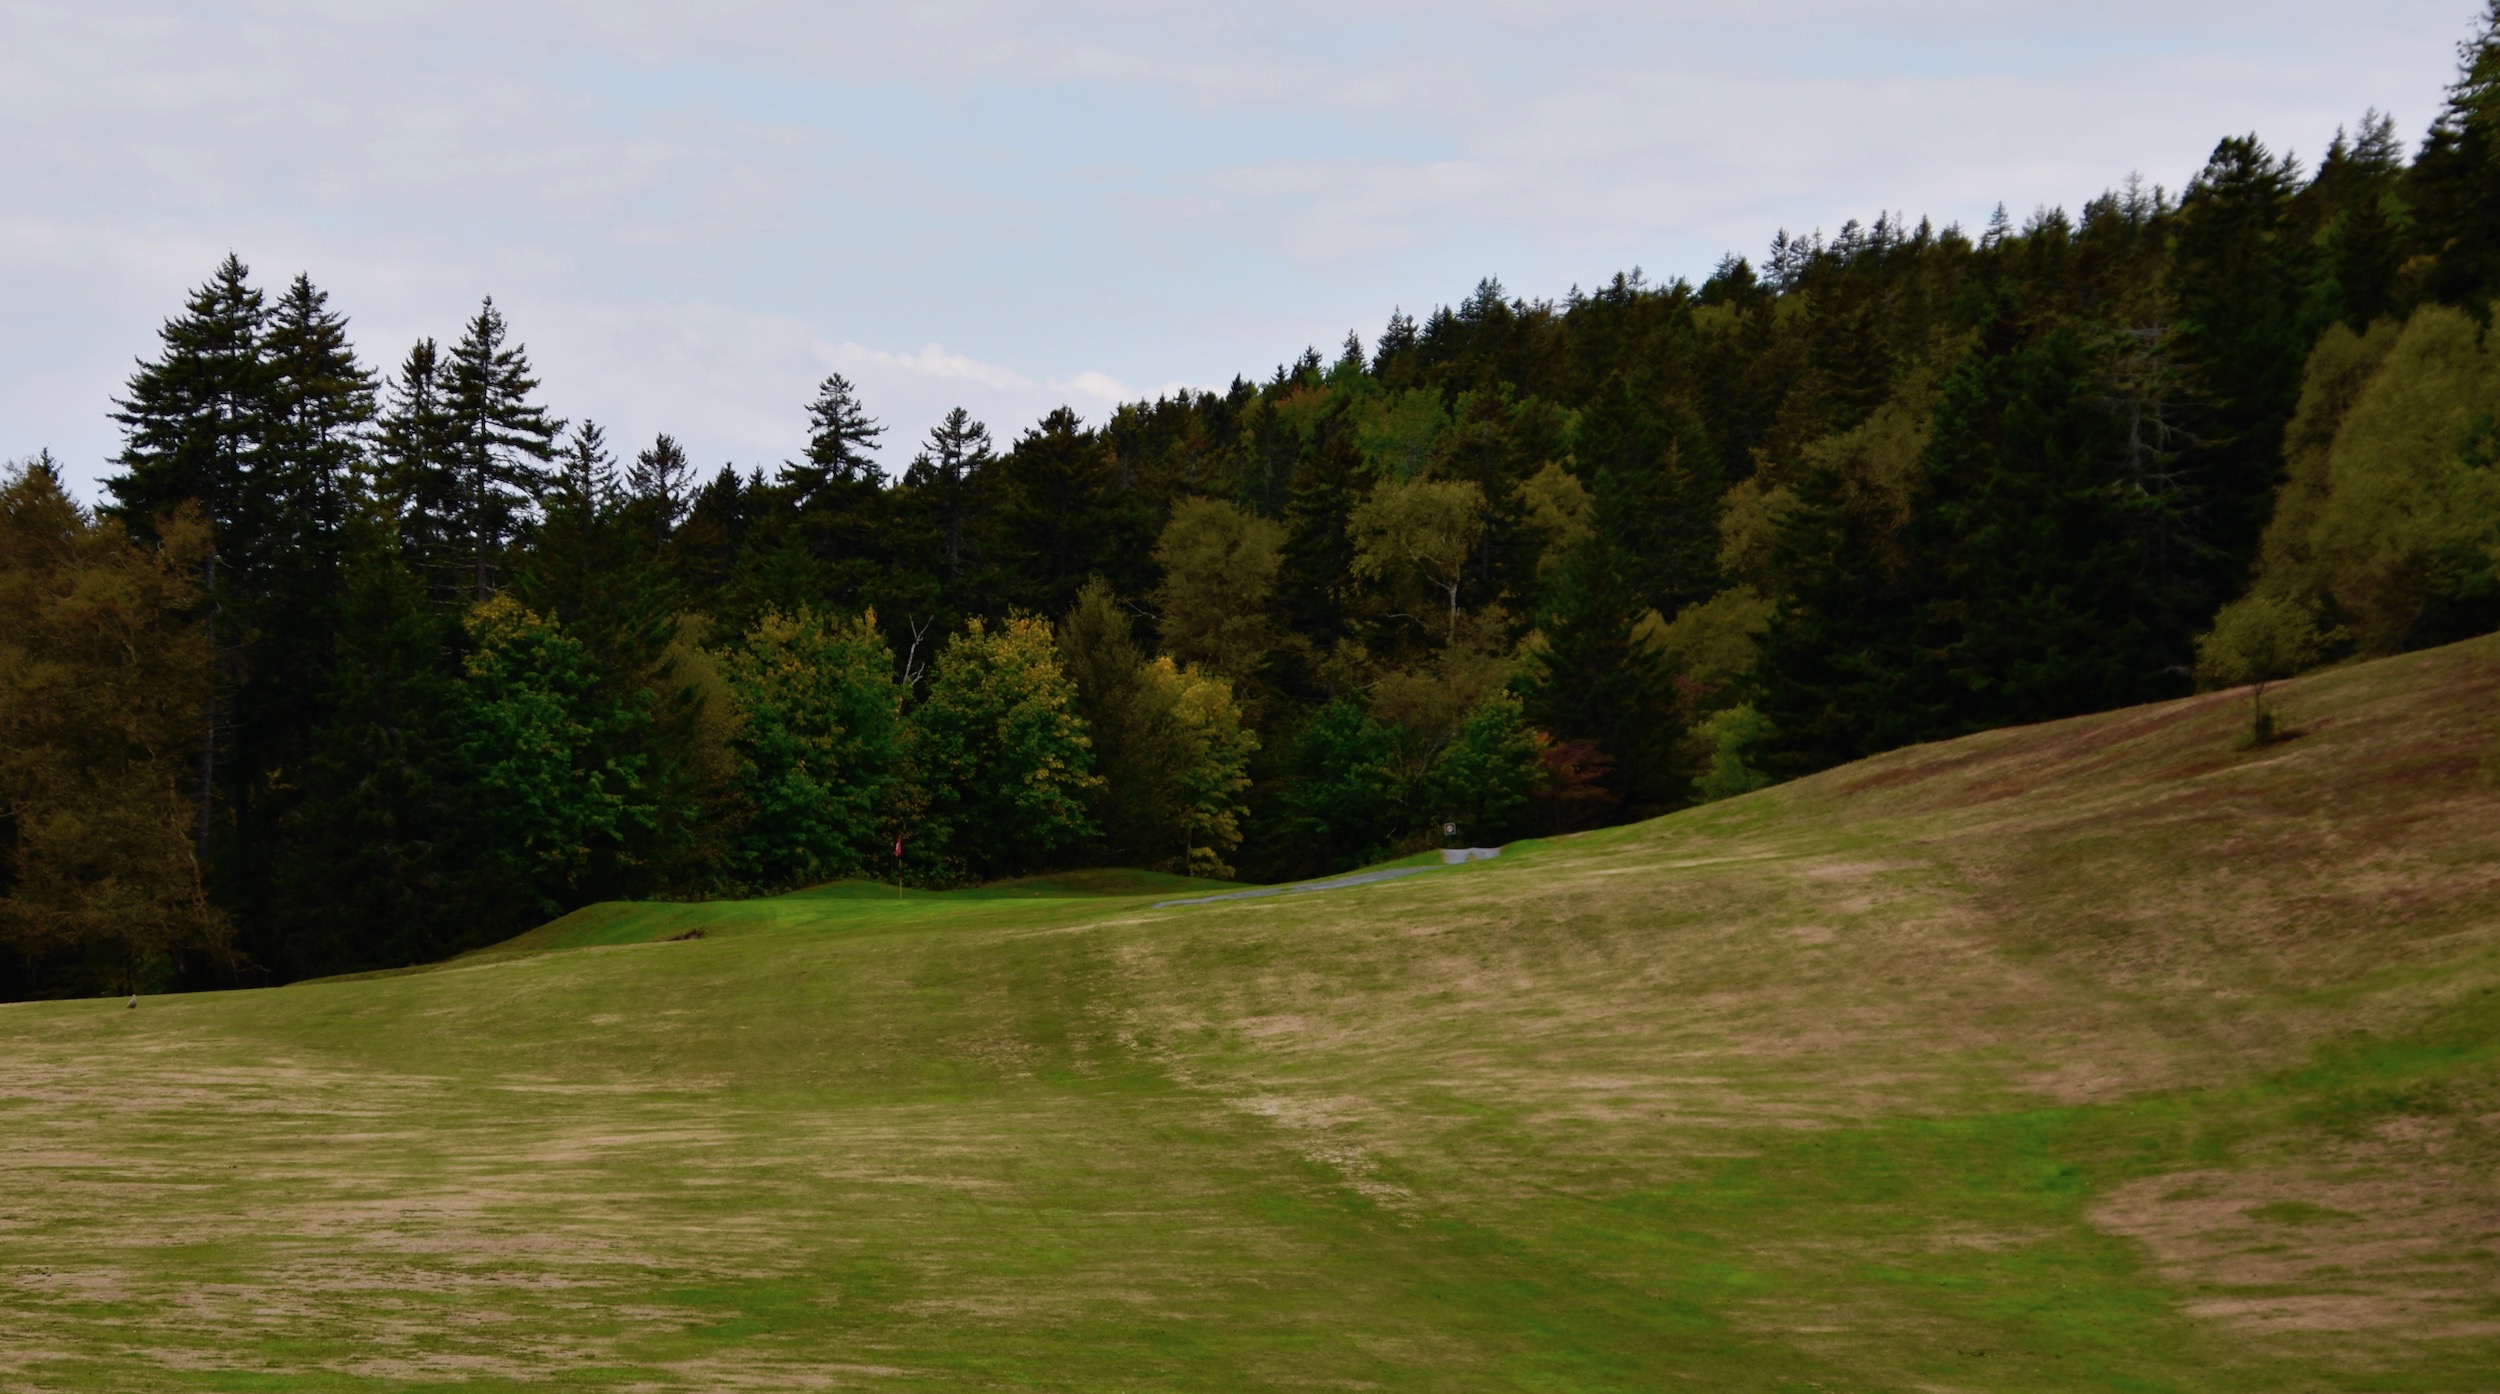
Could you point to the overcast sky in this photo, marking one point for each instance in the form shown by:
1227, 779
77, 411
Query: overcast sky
692, 213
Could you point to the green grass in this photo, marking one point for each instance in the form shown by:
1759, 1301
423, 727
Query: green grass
2099, 1056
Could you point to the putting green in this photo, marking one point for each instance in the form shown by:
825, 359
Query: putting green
2100, 1055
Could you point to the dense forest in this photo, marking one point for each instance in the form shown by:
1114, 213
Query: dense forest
356, 668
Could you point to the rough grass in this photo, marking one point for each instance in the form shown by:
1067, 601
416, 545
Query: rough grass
2101, 1055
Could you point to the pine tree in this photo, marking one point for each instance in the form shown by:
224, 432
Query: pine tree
418, 470
840, 435
2358, 251
1065, 517
587, 567
314, 452
195, 418
839, 494
661, 480
322, 406
584, 480
502, 441
376, 867
702, 553
948, 473
2039, 584
1396, 341
2454, 184
194, 422
2241, 282
1592, 681
1318, 561
1657, 485
594, 564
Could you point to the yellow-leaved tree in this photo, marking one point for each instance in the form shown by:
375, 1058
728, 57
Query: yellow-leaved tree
104, 674
1169, 741
1219, 564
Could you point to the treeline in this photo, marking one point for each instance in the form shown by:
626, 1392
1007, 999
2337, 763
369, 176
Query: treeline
1516, 567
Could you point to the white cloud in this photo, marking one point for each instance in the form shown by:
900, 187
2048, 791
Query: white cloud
1101, 388
931, 361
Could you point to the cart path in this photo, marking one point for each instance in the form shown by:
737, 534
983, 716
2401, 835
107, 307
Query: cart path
1452, 857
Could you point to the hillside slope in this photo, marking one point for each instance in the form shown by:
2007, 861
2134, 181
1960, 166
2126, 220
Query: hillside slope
2099, 1055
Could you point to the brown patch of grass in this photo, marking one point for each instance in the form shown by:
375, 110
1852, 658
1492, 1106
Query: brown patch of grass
2379, 1235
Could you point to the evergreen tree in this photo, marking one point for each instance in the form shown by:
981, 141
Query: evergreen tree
1315, 576
1393, 356
587, 567
2241, 281
2024, 596
321, 410
194, 422
1657, 487
376, 867
591, 567
948, 475
2358, 249
703, 551
840, 435
661, 482
501, 441
1590, 680
2454, 184
1065, 518
418, 470
194, 419
838, 491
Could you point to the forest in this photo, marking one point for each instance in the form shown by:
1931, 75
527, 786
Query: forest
358, 666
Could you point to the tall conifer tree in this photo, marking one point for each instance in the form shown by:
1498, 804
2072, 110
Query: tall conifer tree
2455, 181
839, 493
661, 480
419, 475
194, 421
502, 440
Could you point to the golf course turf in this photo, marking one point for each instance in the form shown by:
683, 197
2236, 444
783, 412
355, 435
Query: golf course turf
2110, 1054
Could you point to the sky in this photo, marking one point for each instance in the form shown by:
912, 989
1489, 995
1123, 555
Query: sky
691, 214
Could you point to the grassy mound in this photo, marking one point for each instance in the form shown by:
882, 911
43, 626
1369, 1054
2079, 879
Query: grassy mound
2108, 1054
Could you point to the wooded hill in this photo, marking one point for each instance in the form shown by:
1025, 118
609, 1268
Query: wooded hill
411, 663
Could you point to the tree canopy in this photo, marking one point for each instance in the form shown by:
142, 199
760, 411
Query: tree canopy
417, 661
